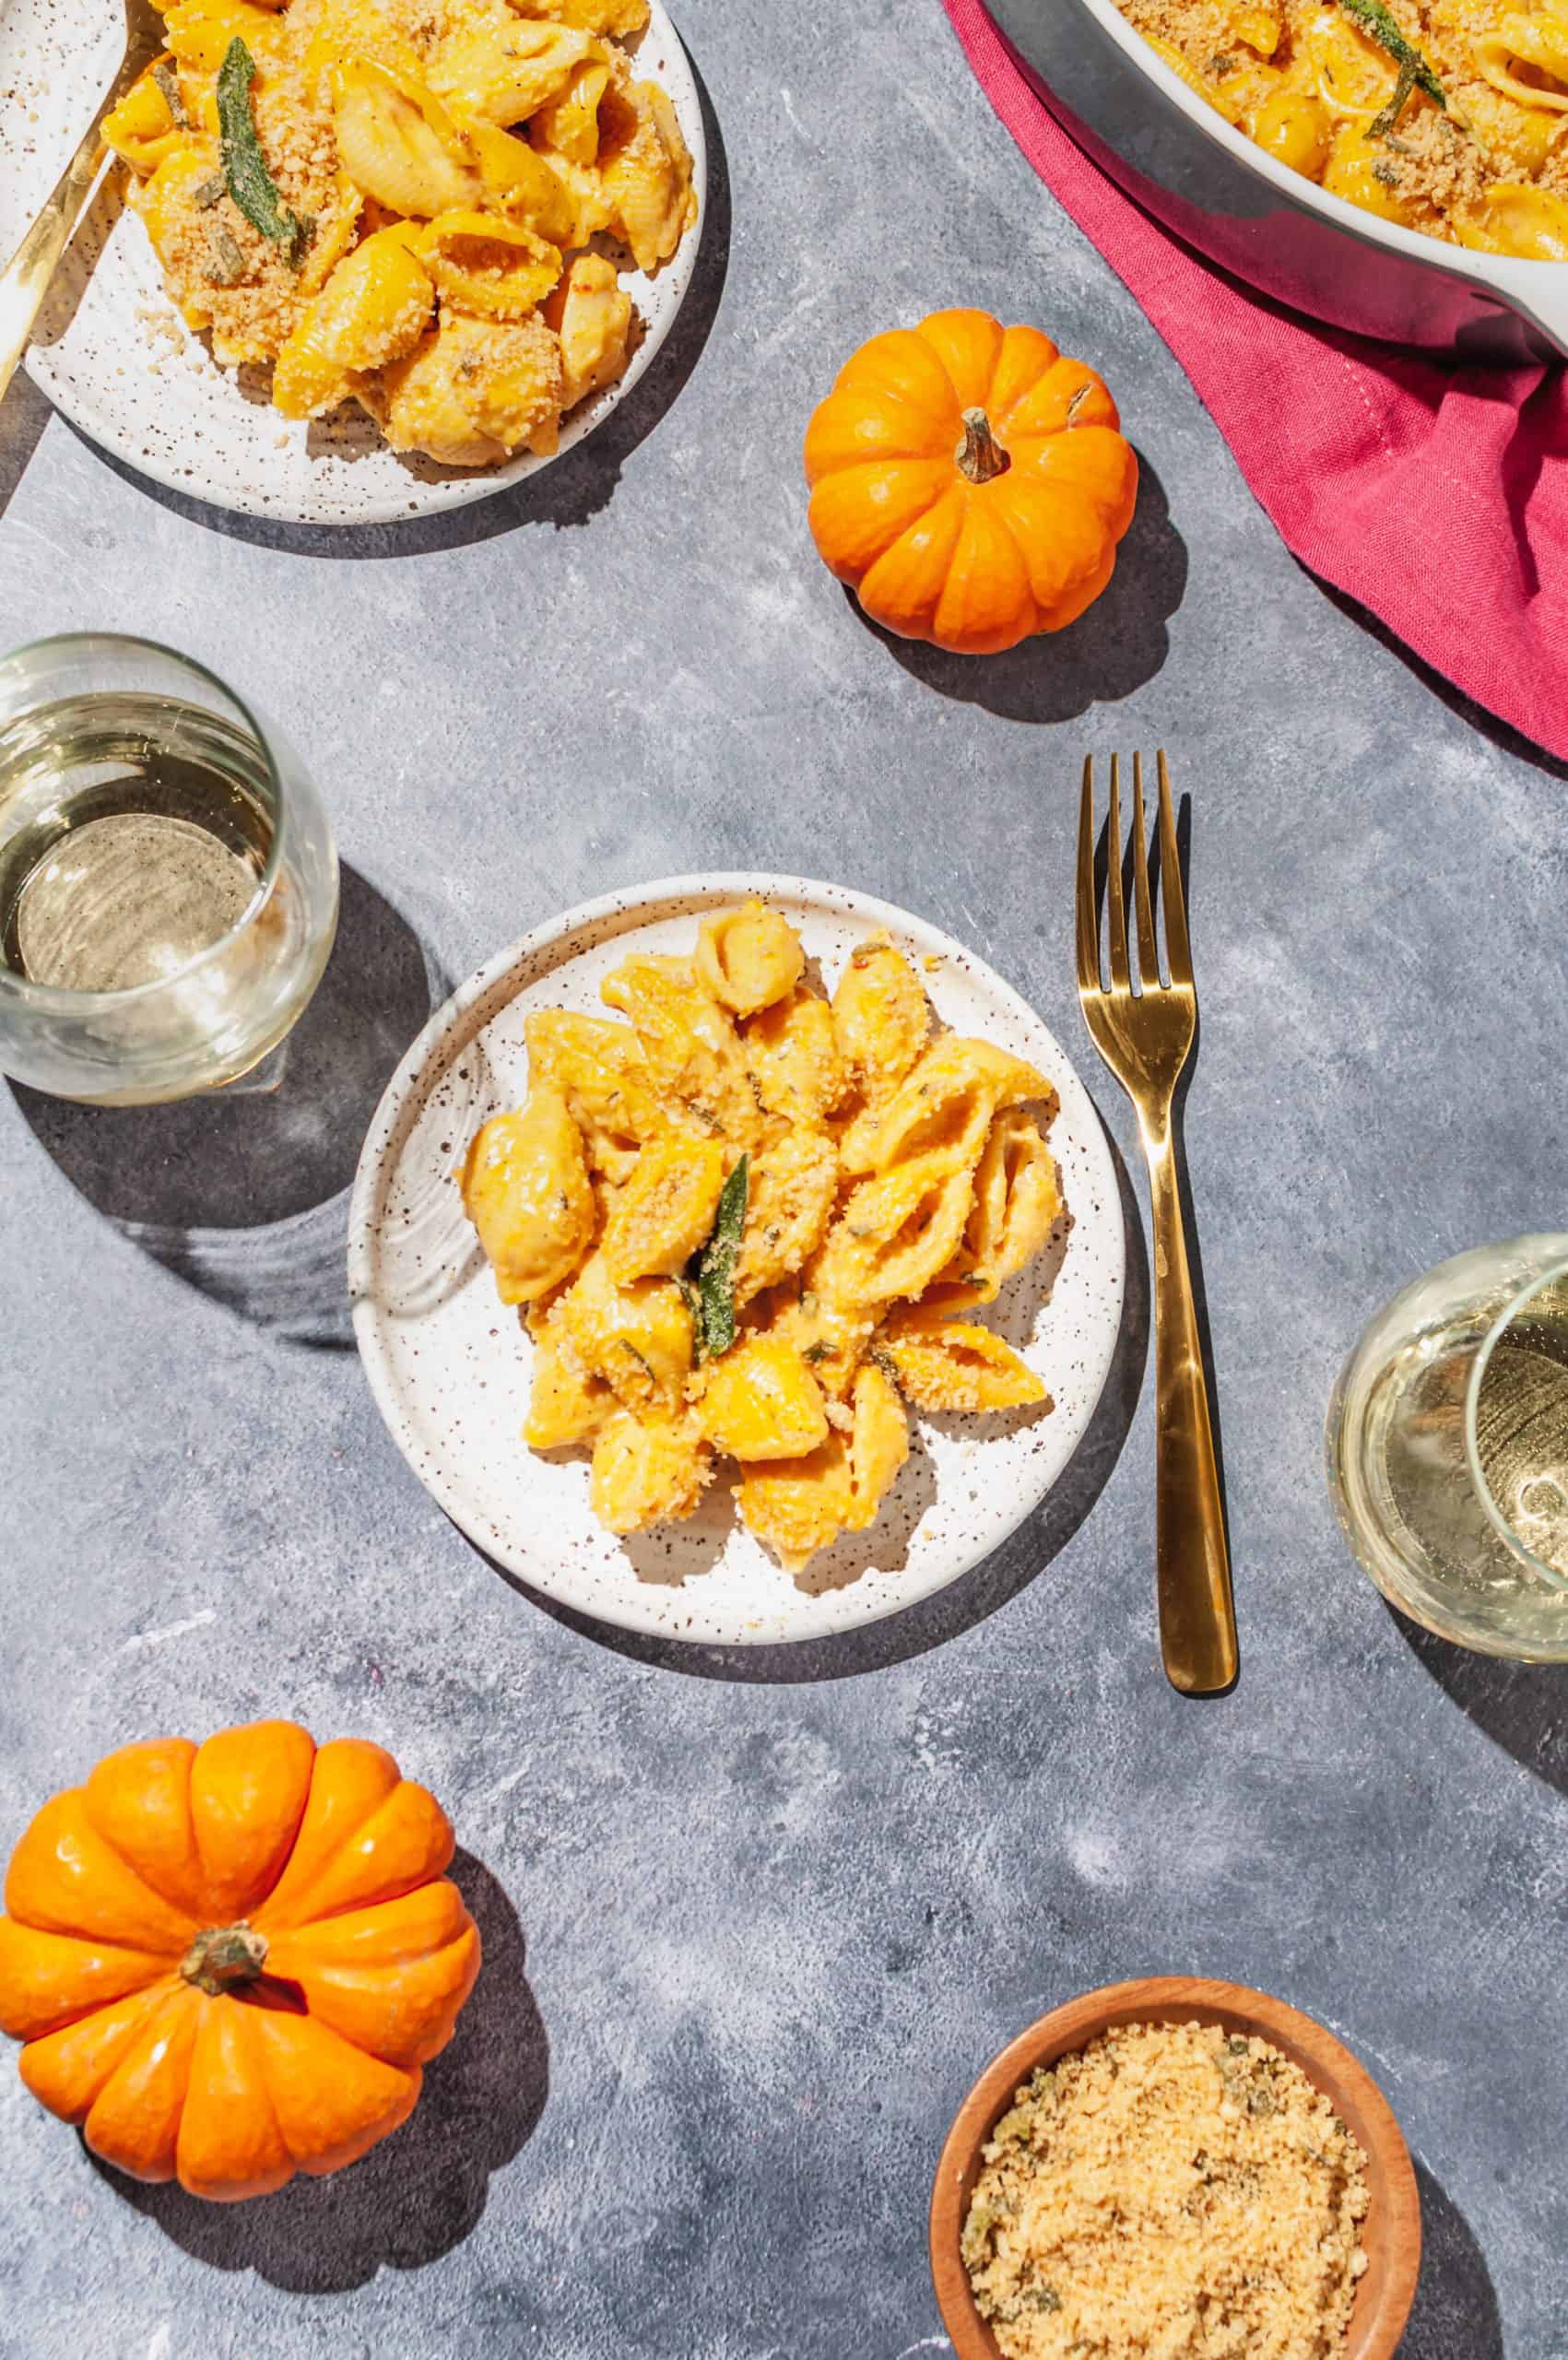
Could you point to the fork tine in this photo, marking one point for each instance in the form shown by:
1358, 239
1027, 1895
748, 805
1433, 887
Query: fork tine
1087, 926
1116, 910
1148, 950
1177, 951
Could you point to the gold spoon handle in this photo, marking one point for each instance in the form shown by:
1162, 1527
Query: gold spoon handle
1197, 1623
25, 279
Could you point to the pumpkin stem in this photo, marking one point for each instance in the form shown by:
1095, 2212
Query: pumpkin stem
980, 455
222, 1956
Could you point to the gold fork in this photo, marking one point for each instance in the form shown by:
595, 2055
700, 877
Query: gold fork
1145, 1035
23, 282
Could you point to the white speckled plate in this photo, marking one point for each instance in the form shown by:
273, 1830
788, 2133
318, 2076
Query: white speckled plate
449, 1366
115, 358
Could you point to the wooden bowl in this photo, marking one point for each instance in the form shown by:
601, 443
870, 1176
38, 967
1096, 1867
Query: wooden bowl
1390, 2235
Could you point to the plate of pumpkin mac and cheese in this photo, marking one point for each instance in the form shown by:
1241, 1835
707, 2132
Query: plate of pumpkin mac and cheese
739, 1259
360, 259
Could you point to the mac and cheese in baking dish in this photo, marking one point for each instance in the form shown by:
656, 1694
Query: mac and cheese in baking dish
1450, 116
754, 1222
418, 206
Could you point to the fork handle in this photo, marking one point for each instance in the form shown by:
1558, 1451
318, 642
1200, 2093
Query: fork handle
1197, 1623
25, 279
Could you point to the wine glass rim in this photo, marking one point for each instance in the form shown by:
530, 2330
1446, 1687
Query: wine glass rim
1556, 1274
58, 998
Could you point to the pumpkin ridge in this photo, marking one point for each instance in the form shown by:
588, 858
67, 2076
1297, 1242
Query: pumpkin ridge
409, 1833
370, 1983
307, 1915
46, 2063
373, 2123
34, 1966
155, 2063
94, 2007
131, 1870
310, 1946
52, 1882
339, 1765
963, 600
230, 2143
896, 564
1006, 522
230, 1769
902, 433
140, 1796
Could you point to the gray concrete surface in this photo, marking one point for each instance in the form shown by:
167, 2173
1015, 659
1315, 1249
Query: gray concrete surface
753, 1925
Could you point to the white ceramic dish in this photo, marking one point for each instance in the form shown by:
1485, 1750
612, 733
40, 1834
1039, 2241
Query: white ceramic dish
449, 1366
117, 361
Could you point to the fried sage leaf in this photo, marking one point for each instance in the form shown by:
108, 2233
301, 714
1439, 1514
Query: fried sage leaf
250, 185
168, 82
1415, 74
225, 262
715, 1266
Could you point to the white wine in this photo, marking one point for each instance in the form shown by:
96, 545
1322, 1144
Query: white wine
1434, 1520
168, 881
137, 834
1522, 1430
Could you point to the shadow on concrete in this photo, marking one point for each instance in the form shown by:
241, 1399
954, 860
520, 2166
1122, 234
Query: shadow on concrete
423, 2190
24, 414
1523, 1707
1455, 2316
246, 1198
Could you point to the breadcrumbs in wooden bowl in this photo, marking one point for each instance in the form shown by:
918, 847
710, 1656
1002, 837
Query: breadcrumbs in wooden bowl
1176, 2170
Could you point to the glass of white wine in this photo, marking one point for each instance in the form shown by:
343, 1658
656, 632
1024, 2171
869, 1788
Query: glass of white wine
168, 881
1449, 1449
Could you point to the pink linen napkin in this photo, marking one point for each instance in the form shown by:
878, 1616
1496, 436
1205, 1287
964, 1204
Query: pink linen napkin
1436, 497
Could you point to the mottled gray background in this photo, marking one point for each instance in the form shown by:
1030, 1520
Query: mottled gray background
752, 1928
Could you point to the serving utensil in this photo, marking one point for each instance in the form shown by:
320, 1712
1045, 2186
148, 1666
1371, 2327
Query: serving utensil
1390, 2235
23, 282
1144, 1032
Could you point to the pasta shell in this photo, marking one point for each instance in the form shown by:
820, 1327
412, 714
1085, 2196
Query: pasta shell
496, 269
334, 238
571, 122
165, 203
895, 1232
693, 1049
648, 1469
374, 308
605, 1076
399, 145
524, 183
752, 956
1518, 220
506, 67
951, 1366
795, 1506
141, 128
944, 1107
1540, 42
878, 1445
645, 171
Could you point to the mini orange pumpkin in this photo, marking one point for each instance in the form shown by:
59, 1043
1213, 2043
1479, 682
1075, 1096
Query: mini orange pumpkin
969, 481
230, 1962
